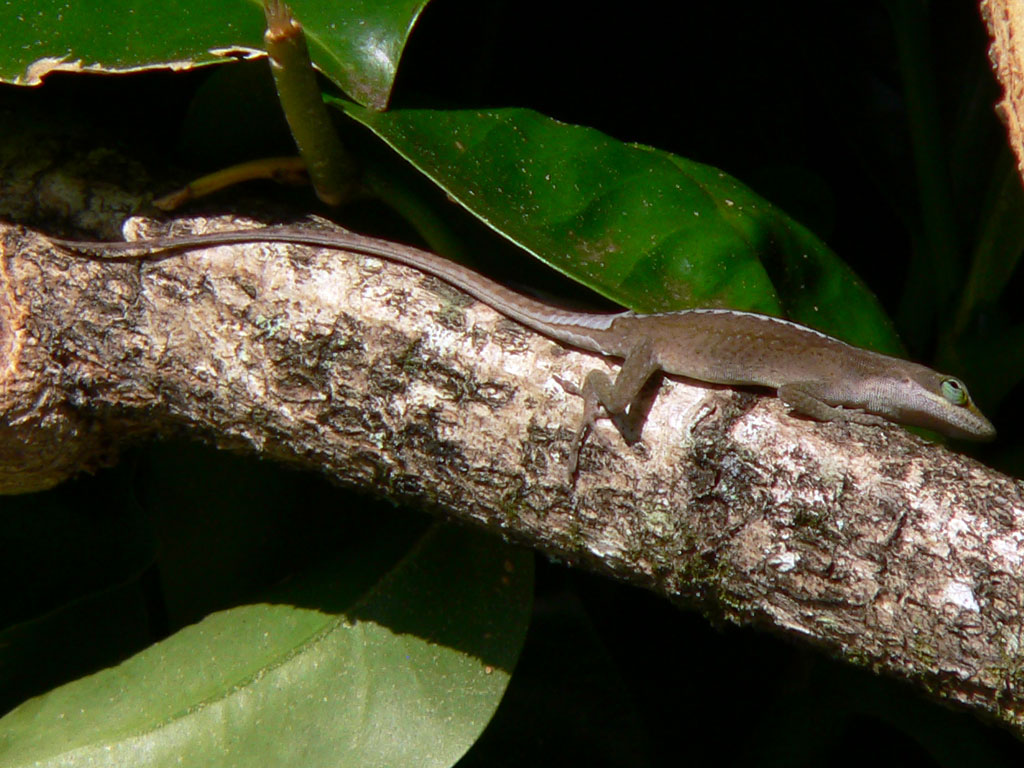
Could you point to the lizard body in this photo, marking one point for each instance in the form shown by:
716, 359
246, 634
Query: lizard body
814, 374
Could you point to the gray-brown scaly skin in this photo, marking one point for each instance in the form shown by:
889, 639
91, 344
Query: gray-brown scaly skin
814, 374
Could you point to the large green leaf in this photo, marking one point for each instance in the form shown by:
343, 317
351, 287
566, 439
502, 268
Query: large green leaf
72, 572
407, 672
650, 230
357, 43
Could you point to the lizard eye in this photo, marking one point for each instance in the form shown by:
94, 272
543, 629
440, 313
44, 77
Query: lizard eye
954, 391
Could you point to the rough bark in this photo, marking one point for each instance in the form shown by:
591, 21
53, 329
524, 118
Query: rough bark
888, 551
1005, 22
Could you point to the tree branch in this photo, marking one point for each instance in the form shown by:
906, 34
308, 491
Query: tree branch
1004, 20
886, 550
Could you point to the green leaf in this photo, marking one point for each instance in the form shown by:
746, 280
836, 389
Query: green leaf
73, 561
107, 626
407, 673
649, 230
357, 44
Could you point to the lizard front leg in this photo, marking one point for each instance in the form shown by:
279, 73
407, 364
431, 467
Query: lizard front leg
804, 397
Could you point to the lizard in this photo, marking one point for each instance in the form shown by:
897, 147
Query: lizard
814, 374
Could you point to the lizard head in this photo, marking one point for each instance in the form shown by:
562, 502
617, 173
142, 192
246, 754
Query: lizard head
943, 404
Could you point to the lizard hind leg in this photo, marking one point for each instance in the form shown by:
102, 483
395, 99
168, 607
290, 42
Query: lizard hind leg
599, 390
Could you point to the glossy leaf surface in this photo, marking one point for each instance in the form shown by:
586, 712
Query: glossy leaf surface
407, 672
357, 43
649, 230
